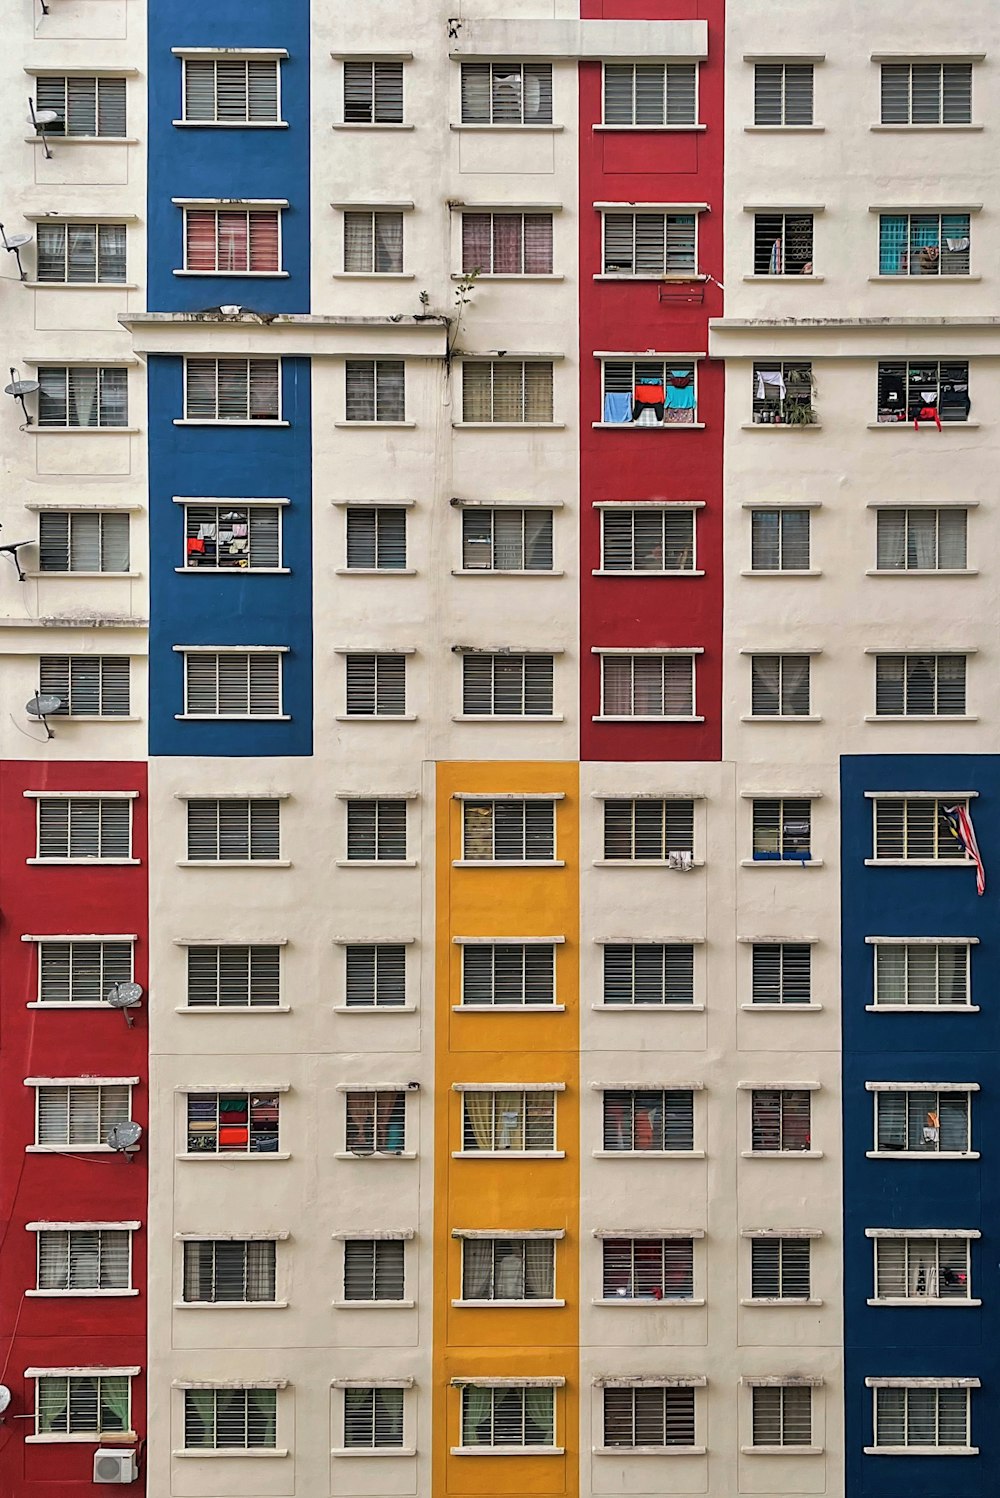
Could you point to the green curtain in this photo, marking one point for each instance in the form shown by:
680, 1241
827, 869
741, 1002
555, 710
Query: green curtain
476, 1403
262, 1417
539, 1407
53, 1405
199, 1417
114, 1403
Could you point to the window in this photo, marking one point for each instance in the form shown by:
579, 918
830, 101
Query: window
779, 1269
783, 93
922, 975
506, 93
781, 1415
779, 540
376, 686
521, 1269
779, 686
508, 972
232, 537
508, 1416
650, 93
373, 243
373, 93
243, 390
507, 244
647, 686
80, 1114
92, 1258
376, 538
232, 1123
232, 241
376, 390
923, 390
83, 106
81, 972
649, 538
509, 831
916, 828
376, 831
80, 253
650, 244
926, 93
646, 1418
782, 393
373, 1269
640, 831
654, 1119
924, 244
83, 1404
922, 540
649, 973
921, 1120
494, 1122
908, 1418
648, 393
782, 829
229, 1271
80, 829
232, 684
780, 1121
783, 244
376, 1123
224, 1419
920, 686
225, 977
83, 541
88, 686
781, 973
914, 1268
507, 686
373, 1419
506, 540
82, 396
514, 392
233, 831
376, 975
231, 91
648, 1269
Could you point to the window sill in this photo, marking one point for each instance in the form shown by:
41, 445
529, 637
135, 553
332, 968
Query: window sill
921, 718
919, 1450
115, 1437
96, 718
644, 863
783, 129
800, 280
643, 718
373, 275
647, 1009
69, 1149
84, 140
40, 431
510, 276
230, 125
234, 863
781, 1008
375, 718
380, 1155
781, 863
503, 1008
682, 278
906, 280
508, 1154
228, 1009
374, 572
781, 1154
510, 426
780, 426
508, 718
85, 863
233, 571
922, 129
255, 1156
506, 572
781, 1450
67, 1004
918, 863
907, 426
648, 1154
507, 1451
373, 1451
375, 863
648, 1302
780, 718
191, 421
907, 1301
910, 1008
346, 426
370, 125
230, 1305
508, 863
89, 1294
374, 1305
512, 129
922, 572
789, 1302
791, 572
244, 275
649, 572
82, 285
232, 717
80, 576
625, 1451
374, 1008
634, 426
255, 1453
922, 1154
648, 129
506, 1305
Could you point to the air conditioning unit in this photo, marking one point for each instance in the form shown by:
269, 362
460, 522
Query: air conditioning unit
682, 860
111, 1465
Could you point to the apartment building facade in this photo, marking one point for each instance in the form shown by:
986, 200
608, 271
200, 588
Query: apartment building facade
506, 535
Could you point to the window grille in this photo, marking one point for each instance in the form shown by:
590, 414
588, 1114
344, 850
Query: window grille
782, 1416
779, 1268
508, 1269
507, 244
231, 91
783, 244
82, 396
908, 974
650, 93
654, 1119
93, 106
780, 1121
915, 829
508, 1416
915, 1268
233, 831
510, 391
640, 830
498, 1121
232, 684
373, 1418
647, 540
926, 93
376, 830
922, 1121
373, 93
376, 1122
233, 977
647, 686
376, 390
650, 244
783, 93
230, 1419
924, 244
921, 1418
373, 1269
506, 93
649, 973
80, 1113
507, 686
782, 393
83, 1404
498, 973
373, 242
781, 973
779, 540
88, 686
923, 390
229, 1271
922, 540
648, 1269
376, 538
509, 831
782, 829
375, 975
232, 1123
506, 540
779, 686
232, 240
75, 541
644, 1418
81, 972
80, 253
73, 1259
93, 828
376, 686
243, 390
908, 686
232, 536
648, 392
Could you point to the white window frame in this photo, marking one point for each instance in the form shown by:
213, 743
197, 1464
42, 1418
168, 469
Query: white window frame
84, 518
641, 653
75, 944
490, 807
778, 1242
935, 1089
376, 511
377, 665
925, 62
107, 691
692, 124
678, 364
669, 999
781, 1388
69, 1084
248, 860
484, 274
190, 1241
780, 512
657, 211
517, 949
222, 506
881, 1238
379, 1243
225, 982
663, 1388
635, 1094
505, 70
67, 1437
958, 860
665, 509
498, 1092
502, 658
785, 700
372, 214
783, 123
486, 517
224, 210
909, 1385
508, 1385
376, 855
245, 1152
68, 79
910, 513
523, 365
911, 947
77, 797
70, 1228
66, 226
382, 953
524, 1241
669, 841
381, 1124
233, 654
784, 979
250, 1386
99, 370
373, 63
230, 421
251, 55
906, 667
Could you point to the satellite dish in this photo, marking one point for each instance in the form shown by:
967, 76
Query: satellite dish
124, 996
44, 117
4, 1398
15, 241
17, 390
11, 550
124, 1137
42, 706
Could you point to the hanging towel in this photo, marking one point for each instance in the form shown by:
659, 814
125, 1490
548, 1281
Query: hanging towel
680, 398
241, 530
770, 381
618, 406
775, 266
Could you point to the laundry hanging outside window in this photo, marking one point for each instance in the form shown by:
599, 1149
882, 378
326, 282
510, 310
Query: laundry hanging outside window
961, 828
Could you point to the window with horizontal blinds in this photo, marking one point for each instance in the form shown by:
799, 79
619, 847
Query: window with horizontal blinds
230, 1419
376, 686
922, 975
92, 106
231, 90
223, 977
783, 93
499, 1121
78, 541
506, 93
915, 828
650, 93
924, 540
237, 830
373, 242
779, 686
373, 1268
779, 1268
521, 1269
923, 1121
373, 1419
232, 389
921, 1418
651, 1119
926, 93
88, 686
779, 540
376, 390
506, 540
232, 536
783, 244
515, 831
508, 973
375, 975
780, 1120
373, 93
647, 686
647, 829
81, 972
782, 393
229, 1271
95, 827
376, 1122
79, 1113
781, 973
507, 686
923, 390
72, 1259
648, 392
782, 829
83, 1404
648, 1269
376, 830
650, 244
647, 539
73, 254
921, 686
915, 1268
924, 244
232, 684
781, 1416
649, 973
376, 538
509, 391
507, 1416
232, 240
82, 396
232, 1123
507, 244
646, 1418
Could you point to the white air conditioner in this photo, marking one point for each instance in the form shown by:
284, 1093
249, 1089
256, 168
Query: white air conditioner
683, 860
111, 1465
